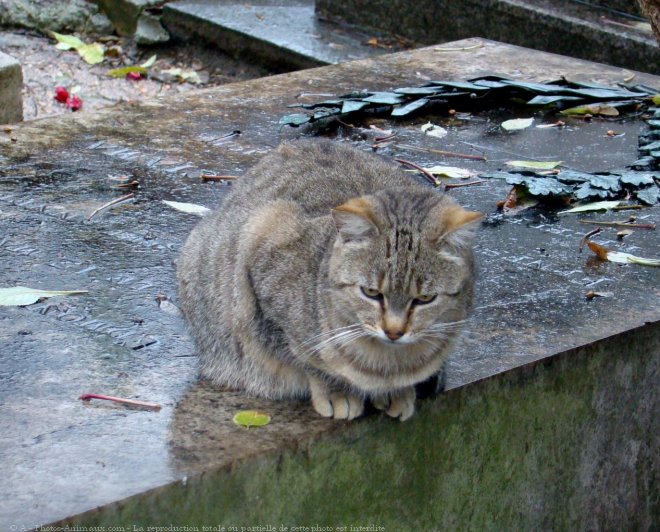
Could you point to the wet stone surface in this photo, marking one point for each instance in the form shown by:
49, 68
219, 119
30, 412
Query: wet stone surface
125, 338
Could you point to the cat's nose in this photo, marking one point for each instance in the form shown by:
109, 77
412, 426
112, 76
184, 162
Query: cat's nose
393, 334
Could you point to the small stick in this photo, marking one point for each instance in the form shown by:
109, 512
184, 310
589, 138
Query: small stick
586, 237
449, 186
443, 152
130, 402
378, 140
628, 207
620, 224
129, 184
428, 174
211, 177
110, 204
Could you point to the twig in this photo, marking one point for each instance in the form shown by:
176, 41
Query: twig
443, 152
211, 177
110, 204
586, 237
628, 207
129, 402
129, 184
428, 174
449, 186
620, 224
378, 140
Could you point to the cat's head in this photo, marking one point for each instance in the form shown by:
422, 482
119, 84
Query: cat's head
402, 266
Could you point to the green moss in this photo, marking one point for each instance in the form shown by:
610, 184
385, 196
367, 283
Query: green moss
540, 447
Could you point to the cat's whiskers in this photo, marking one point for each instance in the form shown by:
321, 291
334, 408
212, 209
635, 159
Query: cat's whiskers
319, 336
342, 337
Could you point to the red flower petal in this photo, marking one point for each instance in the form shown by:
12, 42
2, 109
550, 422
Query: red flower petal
74, 102
61, 94
134, 76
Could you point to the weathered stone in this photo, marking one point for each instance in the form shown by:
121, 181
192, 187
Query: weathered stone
11, 90
124, 14
54, 15
280, 35
150, 31
552, 25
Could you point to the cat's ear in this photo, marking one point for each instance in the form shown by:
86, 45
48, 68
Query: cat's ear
354, 220
456, 225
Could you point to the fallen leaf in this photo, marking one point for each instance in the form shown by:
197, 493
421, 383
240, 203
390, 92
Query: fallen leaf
595, 206
537, 165
122, 72
600, 251
66, 42
450, 171
189, 208
517, 124
620, 257
251, 418
591, 109
149, 62
433, 130
656, 99
22, 295
92, 53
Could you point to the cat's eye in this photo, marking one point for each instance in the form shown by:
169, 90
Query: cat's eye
371, 293
424, 299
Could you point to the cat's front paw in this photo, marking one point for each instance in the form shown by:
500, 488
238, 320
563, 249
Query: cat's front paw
337, 405
399, 404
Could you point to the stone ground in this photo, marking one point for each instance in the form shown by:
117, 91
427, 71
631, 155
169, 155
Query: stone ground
45, 67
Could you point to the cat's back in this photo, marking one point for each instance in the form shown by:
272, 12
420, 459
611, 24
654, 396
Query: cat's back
317, 175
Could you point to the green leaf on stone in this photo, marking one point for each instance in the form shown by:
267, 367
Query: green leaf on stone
586, 191
638, 178
92, 53
656, 99
607, 182
595, 206
190, 208
294, 120
251, 418
67, 42
408, 108
385, 98
649, 195
350, 106
536, 165
22, 295
517, 124
121, 72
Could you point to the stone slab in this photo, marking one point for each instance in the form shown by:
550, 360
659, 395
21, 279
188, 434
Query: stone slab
61, 457
11, 90
281, 34
561, 26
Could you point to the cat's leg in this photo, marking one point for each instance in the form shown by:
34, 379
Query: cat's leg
399, 404
338, 405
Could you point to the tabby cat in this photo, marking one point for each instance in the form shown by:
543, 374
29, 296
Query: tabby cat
328, 273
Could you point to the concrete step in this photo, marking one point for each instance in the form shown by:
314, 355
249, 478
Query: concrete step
283, 35
11, 90
577, 29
